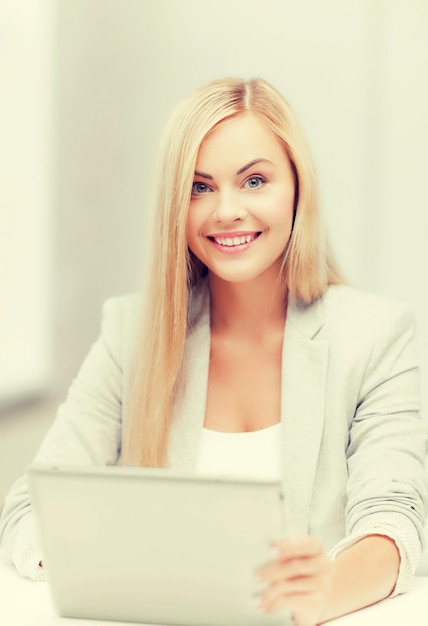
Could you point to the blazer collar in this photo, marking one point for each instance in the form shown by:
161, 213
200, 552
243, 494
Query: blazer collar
304, 381
304, 375
307, 319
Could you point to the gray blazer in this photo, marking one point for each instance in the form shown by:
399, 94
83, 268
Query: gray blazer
352, 438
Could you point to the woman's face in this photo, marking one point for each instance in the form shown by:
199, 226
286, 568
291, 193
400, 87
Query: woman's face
241, 209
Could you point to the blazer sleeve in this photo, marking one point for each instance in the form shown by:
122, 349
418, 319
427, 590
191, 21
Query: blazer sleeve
86, 431
387, 490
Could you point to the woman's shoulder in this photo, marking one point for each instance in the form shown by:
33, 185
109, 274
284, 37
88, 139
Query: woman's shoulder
121, 312
126, 306
120, 324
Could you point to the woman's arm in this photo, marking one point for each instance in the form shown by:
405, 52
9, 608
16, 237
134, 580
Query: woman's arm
362, 575
302, 579
86, 431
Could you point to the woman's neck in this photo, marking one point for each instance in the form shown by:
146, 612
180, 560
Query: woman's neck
247, 307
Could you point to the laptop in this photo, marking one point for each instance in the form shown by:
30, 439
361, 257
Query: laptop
155, 546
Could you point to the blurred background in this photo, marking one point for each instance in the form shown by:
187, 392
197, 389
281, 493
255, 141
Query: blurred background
85, 89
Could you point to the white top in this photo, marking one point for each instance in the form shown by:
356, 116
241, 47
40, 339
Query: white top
250, 454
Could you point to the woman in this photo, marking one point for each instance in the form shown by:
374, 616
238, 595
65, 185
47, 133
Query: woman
255, 359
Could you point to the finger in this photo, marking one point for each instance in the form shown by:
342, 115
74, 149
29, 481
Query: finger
278, 570
290, 549
297, 584
301, 547
301, 608
285, 570
293, 595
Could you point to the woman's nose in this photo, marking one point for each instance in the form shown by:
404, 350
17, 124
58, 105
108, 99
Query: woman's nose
228, 208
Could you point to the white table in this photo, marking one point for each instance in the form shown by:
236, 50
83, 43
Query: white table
27, 603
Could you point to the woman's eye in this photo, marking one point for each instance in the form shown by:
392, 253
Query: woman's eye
254, 182
198, 188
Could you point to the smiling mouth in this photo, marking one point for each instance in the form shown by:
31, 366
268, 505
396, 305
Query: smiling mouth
234, 241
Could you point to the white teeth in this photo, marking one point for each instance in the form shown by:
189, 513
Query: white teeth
234, 241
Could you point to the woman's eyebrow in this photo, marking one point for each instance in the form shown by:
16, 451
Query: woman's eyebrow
251, 163
202, 175
240, 171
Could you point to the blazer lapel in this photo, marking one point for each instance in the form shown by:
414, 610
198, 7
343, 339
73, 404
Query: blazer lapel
304, 374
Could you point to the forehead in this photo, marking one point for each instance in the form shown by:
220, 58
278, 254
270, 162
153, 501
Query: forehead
243, 137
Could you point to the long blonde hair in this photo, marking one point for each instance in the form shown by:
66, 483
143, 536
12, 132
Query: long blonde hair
307, 265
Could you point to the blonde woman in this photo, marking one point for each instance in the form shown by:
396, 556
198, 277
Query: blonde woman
254, 359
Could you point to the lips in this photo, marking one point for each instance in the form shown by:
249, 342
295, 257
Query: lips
231, 239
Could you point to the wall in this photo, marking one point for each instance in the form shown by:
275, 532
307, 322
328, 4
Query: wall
402, 211
26, 172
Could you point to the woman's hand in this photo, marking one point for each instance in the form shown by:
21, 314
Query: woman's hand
299, 578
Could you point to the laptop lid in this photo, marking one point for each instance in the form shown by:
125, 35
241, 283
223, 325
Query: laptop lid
154, 546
